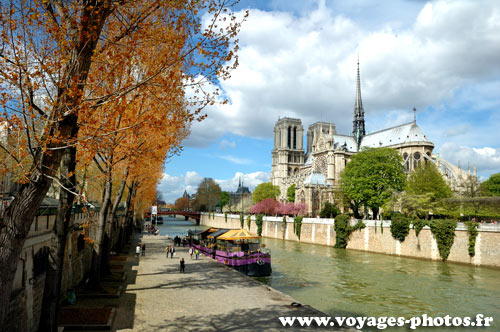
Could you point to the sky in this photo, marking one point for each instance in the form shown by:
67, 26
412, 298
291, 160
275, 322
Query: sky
298, 59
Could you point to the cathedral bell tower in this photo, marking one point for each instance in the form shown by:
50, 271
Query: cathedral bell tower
358, 123
288, 152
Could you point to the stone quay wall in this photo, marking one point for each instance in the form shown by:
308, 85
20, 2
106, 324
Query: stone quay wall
25, 306
376, 237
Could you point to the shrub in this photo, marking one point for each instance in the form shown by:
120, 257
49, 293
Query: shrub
400, 227
444, 232
343, 230
242, 220
418, 225
297, 225
283, 228
258, 222
472, 230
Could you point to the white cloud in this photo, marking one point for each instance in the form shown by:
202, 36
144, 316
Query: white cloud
236, 160
486, 159
192, 178
172, 187
225, 144
455, 131
303, 65
250, 180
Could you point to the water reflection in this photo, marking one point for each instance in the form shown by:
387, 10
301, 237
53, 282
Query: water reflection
345, 281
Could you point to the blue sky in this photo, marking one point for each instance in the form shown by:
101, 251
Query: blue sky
298, 59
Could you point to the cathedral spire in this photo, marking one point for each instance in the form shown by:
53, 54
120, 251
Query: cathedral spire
358, 128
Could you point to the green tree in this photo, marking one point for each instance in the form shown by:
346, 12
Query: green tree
491, 187
224, 199
329, 211
290, 193
482, 208
426, 179
207, 195
472, 188
371, 176
265, 190
415, 206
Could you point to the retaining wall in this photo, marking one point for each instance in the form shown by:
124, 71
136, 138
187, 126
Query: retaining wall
374, 239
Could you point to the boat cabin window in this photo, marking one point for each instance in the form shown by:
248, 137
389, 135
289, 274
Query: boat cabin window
238, 245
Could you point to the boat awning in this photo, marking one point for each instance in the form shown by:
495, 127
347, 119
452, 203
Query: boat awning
205, 231
237, 234
219, 232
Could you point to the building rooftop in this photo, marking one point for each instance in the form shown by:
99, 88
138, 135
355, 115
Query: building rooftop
405, 133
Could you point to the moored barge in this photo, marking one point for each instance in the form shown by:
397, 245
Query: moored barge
234, 247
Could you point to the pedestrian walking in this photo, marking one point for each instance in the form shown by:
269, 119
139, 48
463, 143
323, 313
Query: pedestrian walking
191, 252
144, 249
167, 251
183, 265
197, 253
138, 250
172, 252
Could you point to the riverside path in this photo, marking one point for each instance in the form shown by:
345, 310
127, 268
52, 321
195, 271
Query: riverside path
207, 297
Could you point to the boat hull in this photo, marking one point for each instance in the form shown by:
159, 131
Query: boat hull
259, 270
256, 264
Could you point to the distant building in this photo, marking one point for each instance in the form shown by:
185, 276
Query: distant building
316, 170
241, 199
239, 193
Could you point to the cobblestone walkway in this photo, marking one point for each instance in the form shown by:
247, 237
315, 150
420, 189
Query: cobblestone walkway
207, 297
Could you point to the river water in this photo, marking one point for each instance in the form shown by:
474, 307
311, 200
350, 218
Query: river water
354, 283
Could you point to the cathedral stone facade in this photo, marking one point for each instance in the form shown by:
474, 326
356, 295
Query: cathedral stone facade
316, 170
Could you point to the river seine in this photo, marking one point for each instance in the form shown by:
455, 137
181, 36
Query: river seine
353, 283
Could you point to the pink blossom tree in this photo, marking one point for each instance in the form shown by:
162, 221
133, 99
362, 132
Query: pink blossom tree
270, 206
300, 209
267, 206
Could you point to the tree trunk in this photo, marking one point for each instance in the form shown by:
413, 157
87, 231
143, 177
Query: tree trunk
53, 281
130, 196
116, 202
97, 269
18, 217
129, 217
17, 220
355, 209
119, 194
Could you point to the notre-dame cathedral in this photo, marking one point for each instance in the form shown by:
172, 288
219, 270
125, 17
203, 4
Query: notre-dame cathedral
315, 170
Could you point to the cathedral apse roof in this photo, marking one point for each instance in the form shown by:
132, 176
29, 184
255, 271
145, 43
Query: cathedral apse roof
405, 133
348, 141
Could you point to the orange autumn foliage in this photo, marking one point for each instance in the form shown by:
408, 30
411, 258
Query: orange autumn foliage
109, 78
